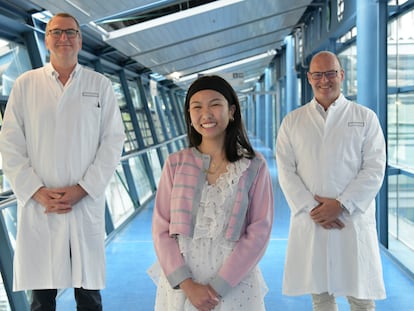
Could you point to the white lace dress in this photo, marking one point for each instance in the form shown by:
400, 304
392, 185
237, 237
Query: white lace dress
208, 249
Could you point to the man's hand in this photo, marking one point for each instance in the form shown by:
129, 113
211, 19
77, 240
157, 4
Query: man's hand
202, 297
327, 212
72, 194
59, 200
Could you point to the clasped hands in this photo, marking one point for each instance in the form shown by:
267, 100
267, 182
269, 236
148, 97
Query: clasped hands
59, 200
202, 297
327, 212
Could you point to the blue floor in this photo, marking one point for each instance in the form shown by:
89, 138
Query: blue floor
130, 253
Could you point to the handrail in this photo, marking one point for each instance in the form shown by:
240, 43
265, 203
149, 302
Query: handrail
11, 198
142, 151
394, 169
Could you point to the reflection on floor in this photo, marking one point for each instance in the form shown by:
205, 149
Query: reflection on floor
130, 253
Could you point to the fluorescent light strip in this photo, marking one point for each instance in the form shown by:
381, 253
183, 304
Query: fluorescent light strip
98, 29
171, 18
246, 90
134, 46
251, 79
189, 77
230, 65
78, 8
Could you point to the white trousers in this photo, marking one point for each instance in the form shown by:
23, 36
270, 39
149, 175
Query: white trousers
326, 302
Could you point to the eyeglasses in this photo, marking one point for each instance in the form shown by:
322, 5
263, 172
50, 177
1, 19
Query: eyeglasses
328, 74
57, 33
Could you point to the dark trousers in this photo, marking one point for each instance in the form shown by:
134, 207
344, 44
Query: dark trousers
86, 300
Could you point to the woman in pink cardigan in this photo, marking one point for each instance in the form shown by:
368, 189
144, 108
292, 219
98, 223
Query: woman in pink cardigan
213, 211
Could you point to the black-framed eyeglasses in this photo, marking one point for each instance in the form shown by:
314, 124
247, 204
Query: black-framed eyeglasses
330, 74
57, 33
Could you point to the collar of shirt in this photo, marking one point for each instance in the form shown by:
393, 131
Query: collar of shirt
53, 73
321, 109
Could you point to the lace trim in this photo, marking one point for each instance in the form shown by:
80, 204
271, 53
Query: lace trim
214, 209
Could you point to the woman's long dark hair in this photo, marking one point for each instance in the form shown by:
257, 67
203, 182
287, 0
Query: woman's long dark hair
236, 142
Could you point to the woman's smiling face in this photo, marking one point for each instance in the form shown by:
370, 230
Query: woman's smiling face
210, 113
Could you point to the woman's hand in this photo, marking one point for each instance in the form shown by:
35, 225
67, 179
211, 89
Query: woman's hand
203, 297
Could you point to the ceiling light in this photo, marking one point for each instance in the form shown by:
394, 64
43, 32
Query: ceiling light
175, 76
246, 90
170, 18
251, 79
229, 65
242, 62
189, 77
134, 46
98, 29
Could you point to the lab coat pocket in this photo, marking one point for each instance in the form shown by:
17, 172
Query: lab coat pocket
93, 213
33, 219
90, 122
350, 153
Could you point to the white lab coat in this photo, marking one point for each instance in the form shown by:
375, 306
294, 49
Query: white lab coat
343, 158
57, 136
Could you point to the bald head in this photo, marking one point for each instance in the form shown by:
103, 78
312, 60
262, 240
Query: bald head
325, 55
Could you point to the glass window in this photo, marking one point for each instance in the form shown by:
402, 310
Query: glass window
4, 185
131, 142
142, 116
120, 98
400, 85
400, 137
119, 92
14, 60
151, 101
401, 129
145, 127
348, 59
4, 302
2, 178
170, 122
340, 9
328, 15
9, 215
140, 177
155, 162
117, 196
401, 51
392, 129
401, 218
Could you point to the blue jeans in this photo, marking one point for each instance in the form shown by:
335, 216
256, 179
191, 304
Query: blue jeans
86, 300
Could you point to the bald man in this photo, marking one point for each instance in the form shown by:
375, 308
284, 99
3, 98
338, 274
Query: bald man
331, 162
